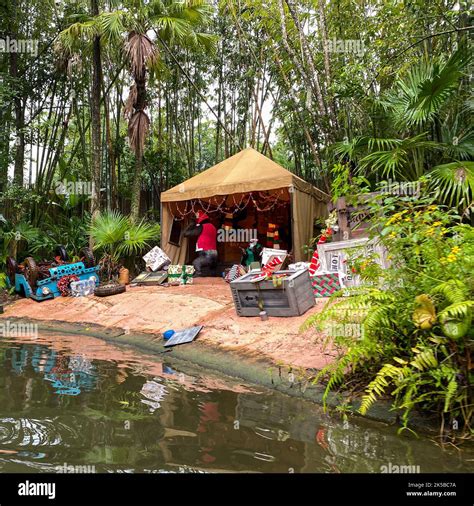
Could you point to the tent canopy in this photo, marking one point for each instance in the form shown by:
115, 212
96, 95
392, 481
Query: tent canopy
245, 172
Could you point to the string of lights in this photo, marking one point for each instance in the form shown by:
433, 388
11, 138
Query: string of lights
261, 201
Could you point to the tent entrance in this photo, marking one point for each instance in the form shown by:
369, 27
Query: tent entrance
272, 228
265, 216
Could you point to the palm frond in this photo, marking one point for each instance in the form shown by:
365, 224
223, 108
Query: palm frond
112, 25
172, 28
419, 97
108, 229
398, 158
350, 149
137, 238
138, 128
141, 52
72, 38
453, 183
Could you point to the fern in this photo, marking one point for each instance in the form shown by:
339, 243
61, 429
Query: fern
424, 360
457, 310
377, 387
418, 366
378, 318
337, 371
451, 390
453, 291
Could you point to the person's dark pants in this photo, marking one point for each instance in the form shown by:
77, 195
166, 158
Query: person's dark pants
205, 259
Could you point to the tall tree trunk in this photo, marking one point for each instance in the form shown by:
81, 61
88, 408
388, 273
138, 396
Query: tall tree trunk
95, 117
4, 147
111, 153
136, 187
18, 105
18, 176
139, 106
310, 83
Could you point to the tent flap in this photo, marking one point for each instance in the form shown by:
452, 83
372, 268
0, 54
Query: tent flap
177, 254
305, 209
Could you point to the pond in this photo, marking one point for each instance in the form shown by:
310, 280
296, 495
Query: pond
80, 404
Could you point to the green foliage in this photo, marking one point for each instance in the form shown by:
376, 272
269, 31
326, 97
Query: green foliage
425, 120
19, 199
70, 232
454, 183
343, 184
3, 281
15, 240
116, 235
420, 362
419, 96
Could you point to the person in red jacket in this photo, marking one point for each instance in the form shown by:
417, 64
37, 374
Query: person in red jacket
206, 245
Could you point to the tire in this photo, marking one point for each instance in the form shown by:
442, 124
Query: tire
12, 269
31, 271
22, 293
61, 252
106, 290
87, 257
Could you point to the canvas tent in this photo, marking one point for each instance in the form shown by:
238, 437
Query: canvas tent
247, 173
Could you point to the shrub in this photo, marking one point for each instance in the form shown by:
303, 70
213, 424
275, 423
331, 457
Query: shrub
415, 317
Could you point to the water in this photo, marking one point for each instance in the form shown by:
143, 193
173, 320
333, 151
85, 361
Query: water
69, 401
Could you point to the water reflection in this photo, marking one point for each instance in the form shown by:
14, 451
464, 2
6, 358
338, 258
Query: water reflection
68, 375
65, 399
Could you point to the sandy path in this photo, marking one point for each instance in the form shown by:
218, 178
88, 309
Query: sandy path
208, 302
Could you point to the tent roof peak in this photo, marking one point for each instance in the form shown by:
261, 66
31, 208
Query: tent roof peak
244, 172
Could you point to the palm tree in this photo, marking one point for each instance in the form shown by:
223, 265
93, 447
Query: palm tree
119, 240
95, 116
115, 235
172, 22
431, 120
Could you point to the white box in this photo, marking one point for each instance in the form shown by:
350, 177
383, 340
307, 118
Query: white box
156, 258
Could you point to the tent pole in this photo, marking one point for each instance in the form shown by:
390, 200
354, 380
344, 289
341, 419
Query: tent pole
161, 224
291, 191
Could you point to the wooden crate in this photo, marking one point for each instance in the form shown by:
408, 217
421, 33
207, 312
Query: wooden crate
333, 256
352, 219
293, 298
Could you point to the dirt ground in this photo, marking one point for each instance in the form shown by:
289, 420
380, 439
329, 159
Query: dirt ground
207, 302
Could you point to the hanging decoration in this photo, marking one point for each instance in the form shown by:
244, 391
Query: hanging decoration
271, 228
315, 263
228, 221
276, 239
263, 202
